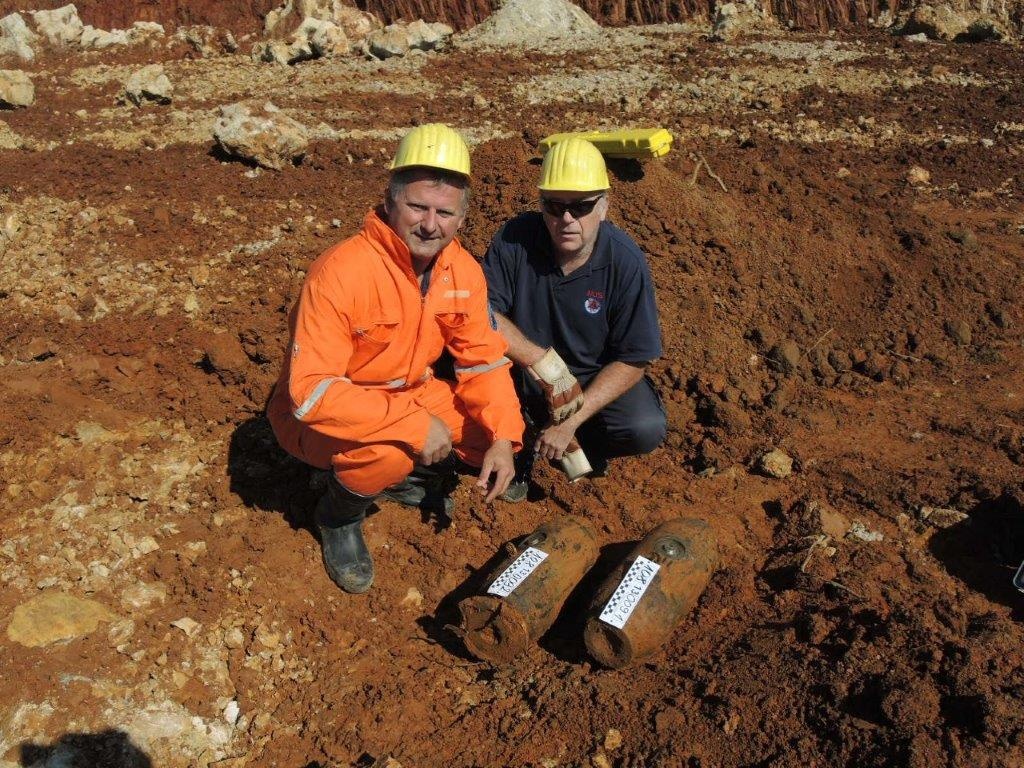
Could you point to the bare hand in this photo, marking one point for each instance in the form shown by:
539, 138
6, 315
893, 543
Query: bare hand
500, 462
438, 443
555, 439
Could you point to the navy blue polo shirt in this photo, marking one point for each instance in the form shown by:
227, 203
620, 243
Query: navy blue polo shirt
602, 312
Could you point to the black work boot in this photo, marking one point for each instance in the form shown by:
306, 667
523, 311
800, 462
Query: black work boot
426, 488
339, 519
520, 486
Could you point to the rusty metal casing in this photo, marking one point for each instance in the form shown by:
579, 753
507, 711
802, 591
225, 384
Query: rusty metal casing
517, 609
657, 585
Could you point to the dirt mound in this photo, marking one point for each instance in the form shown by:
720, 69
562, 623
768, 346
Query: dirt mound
532, 23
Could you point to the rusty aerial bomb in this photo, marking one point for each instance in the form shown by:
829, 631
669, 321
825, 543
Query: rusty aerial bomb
655, 587
526, 591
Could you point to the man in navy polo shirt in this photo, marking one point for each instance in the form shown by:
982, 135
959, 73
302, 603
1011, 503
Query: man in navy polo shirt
573, 297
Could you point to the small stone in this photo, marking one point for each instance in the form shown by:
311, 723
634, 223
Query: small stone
918, 176
188, 626
413, 598
231, 712
142, 595
777, 464
191, 305
942, 517
146, 545
731, 724
121, 631
842, 173
53, 617
612, 739
267, 637
860, 531
480, 102
233, 638
600, 760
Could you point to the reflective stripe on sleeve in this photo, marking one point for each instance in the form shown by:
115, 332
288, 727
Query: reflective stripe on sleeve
314, 398
482, 368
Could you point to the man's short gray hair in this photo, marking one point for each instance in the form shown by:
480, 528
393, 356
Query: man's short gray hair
435, 176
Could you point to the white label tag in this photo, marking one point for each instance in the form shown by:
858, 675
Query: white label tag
627, 595
516, 573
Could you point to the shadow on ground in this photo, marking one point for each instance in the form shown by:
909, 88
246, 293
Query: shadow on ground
109, 749
985, 550
265, 477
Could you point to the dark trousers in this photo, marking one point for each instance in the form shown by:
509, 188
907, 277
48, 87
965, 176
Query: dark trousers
631, 425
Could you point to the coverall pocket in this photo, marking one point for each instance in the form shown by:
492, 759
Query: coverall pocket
377, 334
451, 320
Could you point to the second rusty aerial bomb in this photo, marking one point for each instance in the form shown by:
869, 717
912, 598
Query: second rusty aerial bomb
657, 585
526, 591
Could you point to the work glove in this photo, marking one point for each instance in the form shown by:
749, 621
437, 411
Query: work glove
561, 390
574, 462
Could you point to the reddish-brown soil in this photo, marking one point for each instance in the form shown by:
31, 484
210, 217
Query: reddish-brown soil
808, 648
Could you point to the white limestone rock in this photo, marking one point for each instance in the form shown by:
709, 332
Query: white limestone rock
16, 89
16, 39
399, 39
149, 84
741, 17
60, 27
261, 134
354, 23
207, 41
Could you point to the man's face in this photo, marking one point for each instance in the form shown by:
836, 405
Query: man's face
573, 219
426, 215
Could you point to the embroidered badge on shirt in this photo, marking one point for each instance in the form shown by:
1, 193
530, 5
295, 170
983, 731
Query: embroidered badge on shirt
593, 302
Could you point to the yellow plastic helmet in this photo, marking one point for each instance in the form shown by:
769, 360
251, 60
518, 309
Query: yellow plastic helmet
573, 165
433, 145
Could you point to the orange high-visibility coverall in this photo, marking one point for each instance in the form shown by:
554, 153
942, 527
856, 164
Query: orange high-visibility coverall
357, 392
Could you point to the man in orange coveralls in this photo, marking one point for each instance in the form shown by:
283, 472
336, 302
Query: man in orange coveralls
357, 394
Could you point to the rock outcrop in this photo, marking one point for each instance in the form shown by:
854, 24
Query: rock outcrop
310, 29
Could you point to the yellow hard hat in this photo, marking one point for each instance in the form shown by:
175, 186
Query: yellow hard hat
433, 145
573, 165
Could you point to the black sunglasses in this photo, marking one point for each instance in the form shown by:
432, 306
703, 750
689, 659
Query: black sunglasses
577, 209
